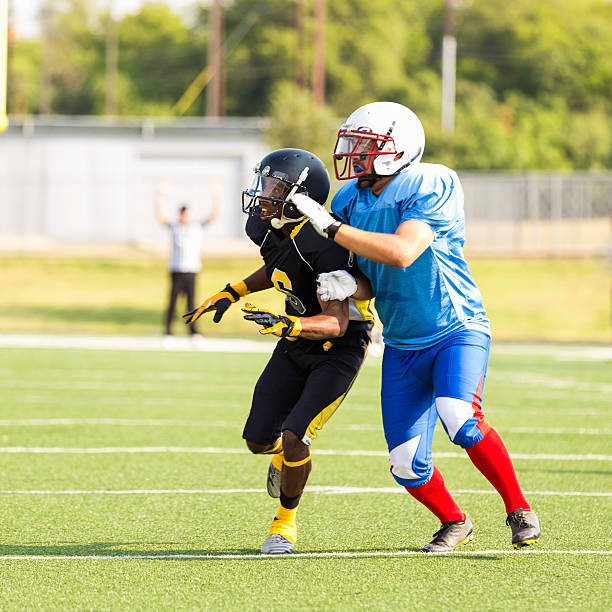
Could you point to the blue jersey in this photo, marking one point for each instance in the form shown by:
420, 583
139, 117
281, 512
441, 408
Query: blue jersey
436, 295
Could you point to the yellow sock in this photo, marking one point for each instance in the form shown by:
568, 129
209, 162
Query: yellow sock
277, 460
285, 515
284, 523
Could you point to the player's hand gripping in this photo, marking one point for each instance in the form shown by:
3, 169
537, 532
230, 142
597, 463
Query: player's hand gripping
283, 326
321, 220
219, 302
336, 285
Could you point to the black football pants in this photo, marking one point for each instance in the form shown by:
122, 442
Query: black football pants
181, 282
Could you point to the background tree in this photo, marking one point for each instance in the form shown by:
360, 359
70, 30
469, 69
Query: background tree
534, 79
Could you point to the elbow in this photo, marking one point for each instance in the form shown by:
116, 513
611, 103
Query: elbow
401, 258
405, 255
339, 328
342, 327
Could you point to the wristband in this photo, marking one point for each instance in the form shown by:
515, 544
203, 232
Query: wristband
332, 230
240, 288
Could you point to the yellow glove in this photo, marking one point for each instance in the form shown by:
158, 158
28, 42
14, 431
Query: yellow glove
219, 302
283, 326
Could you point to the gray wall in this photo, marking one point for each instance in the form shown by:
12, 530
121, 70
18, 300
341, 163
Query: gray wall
87, 181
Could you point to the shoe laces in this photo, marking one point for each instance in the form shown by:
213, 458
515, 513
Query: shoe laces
518, 518
277, 537
446, 526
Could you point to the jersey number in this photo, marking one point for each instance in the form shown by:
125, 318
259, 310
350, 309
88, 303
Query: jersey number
282, 283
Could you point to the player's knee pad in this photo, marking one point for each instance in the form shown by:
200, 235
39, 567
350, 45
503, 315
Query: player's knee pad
469, 434
410, 466
461, 421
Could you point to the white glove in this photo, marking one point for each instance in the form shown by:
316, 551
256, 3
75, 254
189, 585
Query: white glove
321, 220
337, 285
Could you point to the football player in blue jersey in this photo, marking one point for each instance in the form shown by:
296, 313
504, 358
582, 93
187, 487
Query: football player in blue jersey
405, 222
322, 342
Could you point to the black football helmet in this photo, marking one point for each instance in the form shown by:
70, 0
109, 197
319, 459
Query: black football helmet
278, 176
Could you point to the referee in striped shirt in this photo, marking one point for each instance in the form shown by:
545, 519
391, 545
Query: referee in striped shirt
185, 260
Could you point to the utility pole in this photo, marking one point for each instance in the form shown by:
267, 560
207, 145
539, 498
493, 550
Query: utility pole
16, 102
300, 72
46, 14
318, 61
4, 29
214, 93
449, 62
112, 59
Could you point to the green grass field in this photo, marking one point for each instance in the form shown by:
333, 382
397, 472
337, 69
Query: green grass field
560, 300
78, 529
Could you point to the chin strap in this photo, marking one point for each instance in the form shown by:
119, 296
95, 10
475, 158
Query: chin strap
278, 223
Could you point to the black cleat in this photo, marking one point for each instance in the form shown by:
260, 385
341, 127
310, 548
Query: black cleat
449, 536
525, 527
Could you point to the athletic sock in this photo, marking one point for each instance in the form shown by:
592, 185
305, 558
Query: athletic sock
277, 460
436, 497
289, 503
286, 515
284, 523
491, 457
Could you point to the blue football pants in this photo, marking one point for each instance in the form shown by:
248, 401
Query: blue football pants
444, 380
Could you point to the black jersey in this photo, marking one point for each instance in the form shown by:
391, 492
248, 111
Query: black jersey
293, 263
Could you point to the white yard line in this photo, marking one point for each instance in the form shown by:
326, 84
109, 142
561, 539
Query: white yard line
528, 379
314, 555
326, 490
215, 450
231, 424
109, 421
559, 352
90, 385
135, 343
140, 343
581, 431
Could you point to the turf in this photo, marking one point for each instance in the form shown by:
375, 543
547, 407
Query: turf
544, 402
562, 300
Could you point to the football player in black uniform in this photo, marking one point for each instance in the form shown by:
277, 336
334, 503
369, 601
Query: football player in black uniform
322, 344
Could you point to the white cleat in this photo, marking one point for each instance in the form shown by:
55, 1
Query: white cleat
276, 544
273, 483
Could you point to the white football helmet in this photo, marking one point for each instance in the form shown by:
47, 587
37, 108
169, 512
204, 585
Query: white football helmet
373, 136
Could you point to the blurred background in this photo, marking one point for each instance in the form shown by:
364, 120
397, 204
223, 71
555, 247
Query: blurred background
105, 99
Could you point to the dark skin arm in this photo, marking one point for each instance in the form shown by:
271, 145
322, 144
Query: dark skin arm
258, 281
331, 323
364, 288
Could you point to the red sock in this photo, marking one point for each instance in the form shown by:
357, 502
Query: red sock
491, 457
435, 496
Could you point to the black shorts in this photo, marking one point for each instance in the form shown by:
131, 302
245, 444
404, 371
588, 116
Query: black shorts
301, 387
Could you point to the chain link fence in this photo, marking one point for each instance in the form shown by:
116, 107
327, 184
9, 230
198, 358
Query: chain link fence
538, 213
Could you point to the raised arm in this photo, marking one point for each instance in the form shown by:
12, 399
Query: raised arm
160, 201
216, 204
